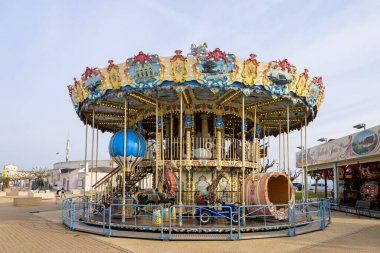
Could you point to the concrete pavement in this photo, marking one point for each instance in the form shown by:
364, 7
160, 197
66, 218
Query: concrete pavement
23, 231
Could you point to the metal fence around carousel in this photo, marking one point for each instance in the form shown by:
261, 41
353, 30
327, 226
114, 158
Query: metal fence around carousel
180, 221
137, 217
187, 218
253, 218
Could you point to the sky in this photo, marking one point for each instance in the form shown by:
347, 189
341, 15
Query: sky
44, 44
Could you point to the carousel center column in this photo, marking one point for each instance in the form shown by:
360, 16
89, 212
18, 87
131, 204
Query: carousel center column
188, 127
158, 145
204, 118
219, 128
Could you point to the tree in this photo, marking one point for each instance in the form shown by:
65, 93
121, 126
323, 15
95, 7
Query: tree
316, 176
265, 167
293, 174
5, 181
39, 177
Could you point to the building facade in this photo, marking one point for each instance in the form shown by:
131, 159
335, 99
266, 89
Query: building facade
353, 162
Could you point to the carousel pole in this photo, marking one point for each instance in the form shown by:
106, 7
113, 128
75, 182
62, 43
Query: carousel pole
287, 148
124, 158
92, 152
303, 174
254, 138
97, 156
112, 178
162, 145
264, 153
85, 160
171, 136
306, 172
180, 160
279, 148
243, 148
283, 151
156, 174
180, 152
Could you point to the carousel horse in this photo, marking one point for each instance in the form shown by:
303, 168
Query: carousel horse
154, 196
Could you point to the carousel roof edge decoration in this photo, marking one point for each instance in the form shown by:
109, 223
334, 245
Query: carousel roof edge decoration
210, 81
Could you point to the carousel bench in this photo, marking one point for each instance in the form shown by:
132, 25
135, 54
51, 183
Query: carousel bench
362, 205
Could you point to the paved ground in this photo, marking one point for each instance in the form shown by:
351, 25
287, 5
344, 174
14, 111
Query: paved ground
23, 231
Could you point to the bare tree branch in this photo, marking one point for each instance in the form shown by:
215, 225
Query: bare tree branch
265, 167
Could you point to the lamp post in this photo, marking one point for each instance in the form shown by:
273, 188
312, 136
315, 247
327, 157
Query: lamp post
360, 126
56, 157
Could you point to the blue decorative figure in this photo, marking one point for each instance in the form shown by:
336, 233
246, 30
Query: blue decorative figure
188, 120
219, 121
139, 126
159, 123
258, 130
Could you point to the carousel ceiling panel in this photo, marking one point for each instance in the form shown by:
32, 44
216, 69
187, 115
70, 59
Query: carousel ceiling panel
165, 95
133, 102
206, 94
253, 98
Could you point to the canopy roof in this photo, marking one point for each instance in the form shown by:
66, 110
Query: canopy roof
210, 81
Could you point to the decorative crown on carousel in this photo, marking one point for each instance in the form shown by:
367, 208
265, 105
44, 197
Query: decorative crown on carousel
218, 71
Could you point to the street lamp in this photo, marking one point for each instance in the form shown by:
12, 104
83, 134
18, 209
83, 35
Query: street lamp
359, 126
324, 139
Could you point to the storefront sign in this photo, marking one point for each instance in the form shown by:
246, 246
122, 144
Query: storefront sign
358, 145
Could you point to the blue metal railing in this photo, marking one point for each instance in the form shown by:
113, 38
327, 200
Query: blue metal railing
316, 212
230, 219
193, 218
88, 213
252, 217
145, 213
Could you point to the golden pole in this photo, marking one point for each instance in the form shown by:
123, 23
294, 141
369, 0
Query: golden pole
124, 157
180, 152
283, 152
279, 149
92, 152
264, 153
306, 162
156, 174
162, 145
85, 160
171, 136
243, 148
97, 154
303, 173
254, 138
287, 148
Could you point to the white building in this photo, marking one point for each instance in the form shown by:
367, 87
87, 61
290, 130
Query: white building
70, 175
9, 170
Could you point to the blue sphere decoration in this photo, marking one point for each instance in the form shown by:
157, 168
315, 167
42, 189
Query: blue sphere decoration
135, 143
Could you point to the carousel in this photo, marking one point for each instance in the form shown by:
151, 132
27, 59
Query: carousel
191, 131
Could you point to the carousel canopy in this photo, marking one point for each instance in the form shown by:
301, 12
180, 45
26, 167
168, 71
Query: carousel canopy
210, 81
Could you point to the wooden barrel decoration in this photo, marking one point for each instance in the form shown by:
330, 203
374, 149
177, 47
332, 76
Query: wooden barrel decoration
268, 189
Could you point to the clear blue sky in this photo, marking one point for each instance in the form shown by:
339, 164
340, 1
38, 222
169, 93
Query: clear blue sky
44, 44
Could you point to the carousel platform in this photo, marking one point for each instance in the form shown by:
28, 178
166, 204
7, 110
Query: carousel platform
188, 234
302, 218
